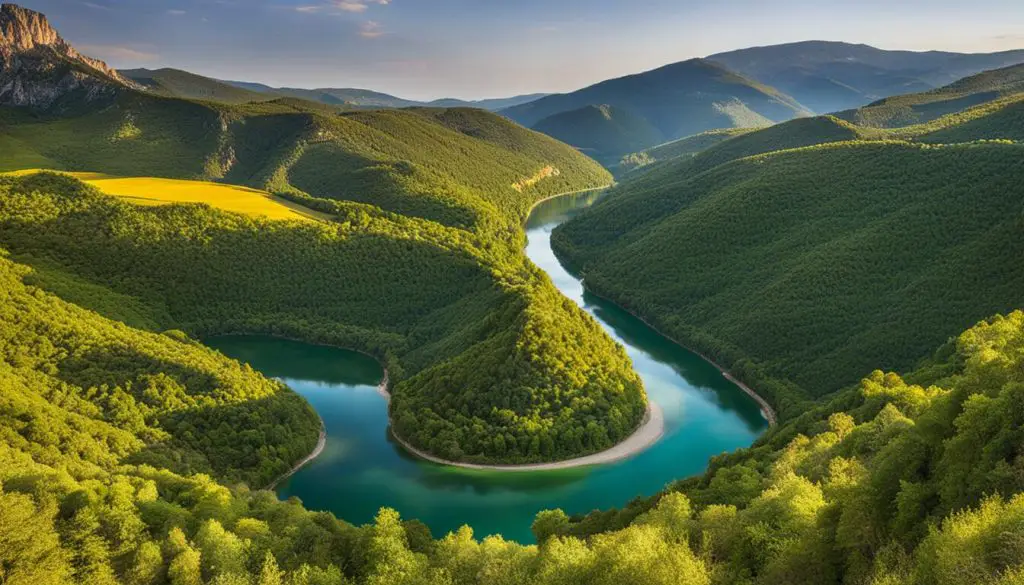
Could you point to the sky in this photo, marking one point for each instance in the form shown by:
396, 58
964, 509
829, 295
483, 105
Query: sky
471, 49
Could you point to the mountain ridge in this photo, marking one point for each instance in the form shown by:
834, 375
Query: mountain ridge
829, 76
38, 67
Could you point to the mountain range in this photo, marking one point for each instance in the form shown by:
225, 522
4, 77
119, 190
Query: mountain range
829, 76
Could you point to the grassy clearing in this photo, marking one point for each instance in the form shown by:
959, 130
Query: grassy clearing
233, 198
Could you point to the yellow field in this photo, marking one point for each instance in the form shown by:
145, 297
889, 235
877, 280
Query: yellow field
154, 191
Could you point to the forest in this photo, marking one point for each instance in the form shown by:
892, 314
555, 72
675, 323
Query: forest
477, 374
907, 480
764, 253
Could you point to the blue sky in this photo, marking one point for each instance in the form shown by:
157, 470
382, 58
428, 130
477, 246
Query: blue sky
487, 48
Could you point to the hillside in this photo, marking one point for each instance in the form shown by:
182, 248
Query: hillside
364, 98
683, 147
425, 206
767, 263
895, 480
677, 100
832, 76
603, 132
182, 84
409, 162
492, 104
918, 108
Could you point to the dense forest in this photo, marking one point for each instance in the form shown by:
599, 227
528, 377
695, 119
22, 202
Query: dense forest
767, 267
908, 480
488, 362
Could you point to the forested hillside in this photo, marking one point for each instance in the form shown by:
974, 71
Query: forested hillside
676, 100
919, 108
899, 480
604, 132
465, 332
466, 168
182, 84
684, 147
768, 263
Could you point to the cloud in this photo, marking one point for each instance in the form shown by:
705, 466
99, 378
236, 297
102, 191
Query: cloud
371, 30
118, 53
357, 5
176, 12
95, 6
351, 6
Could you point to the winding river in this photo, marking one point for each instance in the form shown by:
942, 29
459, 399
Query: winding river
361, 469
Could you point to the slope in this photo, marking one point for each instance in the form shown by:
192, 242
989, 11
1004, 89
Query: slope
182, 84
683, 147
465, 335
678, 100
767, 263
604, 132
896, 480
832, 76
905, 110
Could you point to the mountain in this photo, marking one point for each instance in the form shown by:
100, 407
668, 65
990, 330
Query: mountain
603, 132
426, 205
831, 76
917, 108
676, 100
364, 98
493, 105
182, 84
38, 67
765, 250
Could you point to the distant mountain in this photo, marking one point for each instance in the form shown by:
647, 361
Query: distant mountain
917, 108
604, 132
182, 84
365, 98
38, 67
831, 76
489, 104
676, 100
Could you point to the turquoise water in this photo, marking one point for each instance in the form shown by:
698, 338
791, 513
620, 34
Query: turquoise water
362, 469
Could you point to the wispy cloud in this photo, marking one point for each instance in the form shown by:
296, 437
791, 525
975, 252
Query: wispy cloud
371, 30
95, 6
118, 53
174, 12
352, 6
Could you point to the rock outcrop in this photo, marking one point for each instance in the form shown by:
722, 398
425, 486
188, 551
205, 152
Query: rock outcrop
38, 67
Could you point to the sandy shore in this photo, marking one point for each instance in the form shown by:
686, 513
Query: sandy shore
648, 433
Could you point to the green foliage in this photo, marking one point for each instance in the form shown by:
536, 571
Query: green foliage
682, 148
769, 263
919, 108
182, 84
467, 336
677, 100
606, 132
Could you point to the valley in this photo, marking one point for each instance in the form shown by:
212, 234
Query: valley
744, 319
363, 468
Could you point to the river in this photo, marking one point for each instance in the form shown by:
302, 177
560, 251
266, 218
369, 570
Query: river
362, 469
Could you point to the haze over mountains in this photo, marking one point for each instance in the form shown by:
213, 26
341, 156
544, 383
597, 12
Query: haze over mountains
830, 76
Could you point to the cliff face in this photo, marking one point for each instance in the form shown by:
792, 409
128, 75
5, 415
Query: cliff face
38, 67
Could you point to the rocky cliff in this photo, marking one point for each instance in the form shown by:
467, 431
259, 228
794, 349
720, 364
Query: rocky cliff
38, 67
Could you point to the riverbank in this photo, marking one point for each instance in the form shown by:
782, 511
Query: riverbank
766, 409
320, 444
651, 428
